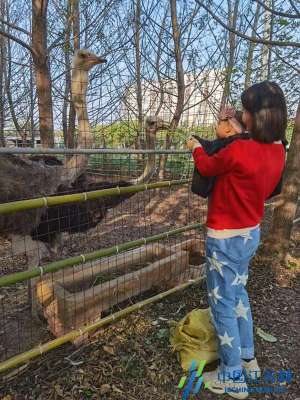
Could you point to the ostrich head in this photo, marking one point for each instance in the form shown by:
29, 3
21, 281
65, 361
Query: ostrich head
154, 124
85, 60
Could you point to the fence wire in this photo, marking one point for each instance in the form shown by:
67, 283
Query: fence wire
51, 305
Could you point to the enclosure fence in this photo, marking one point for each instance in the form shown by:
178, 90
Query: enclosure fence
80, 252
81, 247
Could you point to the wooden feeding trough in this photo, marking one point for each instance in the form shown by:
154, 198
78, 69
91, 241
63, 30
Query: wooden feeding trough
80, 297
196, 261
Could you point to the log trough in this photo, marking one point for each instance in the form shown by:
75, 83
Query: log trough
72, 299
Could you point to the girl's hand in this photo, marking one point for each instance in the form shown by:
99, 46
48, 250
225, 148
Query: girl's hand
192, 143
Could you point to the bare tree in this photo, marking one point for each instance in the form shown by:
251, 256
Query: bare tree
176, 35
139, 99
39, 52
66, 99
232, 21
75, 16
32, 102
42, 71
72, 20
8, 80
2, 75
251, 47
279, 43
265, 56
285, 211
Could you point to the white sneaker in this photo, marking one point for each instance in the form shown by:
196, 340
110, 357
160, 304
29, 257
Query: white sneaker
215, 383
252, 369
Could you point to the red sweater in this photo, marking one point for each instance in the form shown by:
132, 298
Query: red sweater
248, 172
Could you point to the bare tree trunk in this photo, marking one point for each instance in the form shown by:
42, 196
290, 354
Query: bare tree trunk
285, 212
32, 105
67, 100
265, 56
232, 20
271, 38
179, 82
2, 75
75, 15
42, 71
157, 65
251, 48
139, 98
8, 91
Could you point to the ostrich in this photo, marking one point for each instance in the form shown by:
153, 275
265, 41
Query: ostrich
34, 232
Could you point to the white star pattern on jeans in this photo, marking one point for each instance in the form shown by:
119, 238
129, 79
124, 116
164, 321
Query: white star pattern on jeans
215, 295
241, 310
216, 264
226, 339
240, 279
243, 279
247, 237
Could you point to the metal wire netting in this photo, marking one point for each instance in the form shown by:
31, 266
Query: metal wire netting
117, 249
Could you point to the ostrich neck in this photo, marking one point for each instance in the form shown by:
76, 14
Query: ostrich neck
149, 169
77, 164
79, 88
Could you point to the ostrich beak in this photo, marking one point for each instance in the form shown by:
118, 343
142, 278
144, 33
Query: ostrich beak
100, 60
94, 60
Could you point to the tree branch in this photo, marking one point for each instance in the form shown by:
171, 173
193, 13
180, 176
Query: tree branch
17, 40
275, 12
242, 35
13, 26
294, 7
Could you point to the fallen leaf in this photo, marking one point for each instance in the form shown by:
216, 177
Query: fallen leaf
109, 349
266, 336
116, 389
105, 388
162, 333
74, 363
59, 390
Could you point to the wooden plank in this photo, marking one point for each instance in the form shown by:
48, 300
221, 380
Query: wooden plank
45, 287
71, 310
192, 273
195, 245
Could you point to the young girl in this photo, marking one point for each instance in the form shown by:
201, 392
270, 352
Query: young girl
227, 130
247, 172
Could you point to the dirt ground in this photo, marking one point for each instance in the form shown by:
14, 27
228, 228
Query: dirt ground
133, 357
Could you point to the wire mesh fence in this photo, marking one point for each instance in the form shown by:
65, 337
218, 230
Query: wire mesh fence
75, 253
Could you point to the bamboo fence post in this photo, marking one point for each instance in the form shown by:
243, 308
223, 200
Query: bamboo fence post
22, 358
17, 277
50, 201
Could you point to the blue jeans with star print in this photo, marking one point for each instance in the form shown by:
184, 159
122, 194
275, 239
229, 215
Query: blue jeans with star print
226, 278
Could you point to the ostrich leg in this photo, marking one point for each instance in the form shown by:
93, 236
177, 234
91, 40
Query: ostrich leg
34, 250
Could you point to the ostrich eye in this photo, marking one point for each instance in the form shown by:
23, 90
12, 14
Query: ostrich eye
83, 55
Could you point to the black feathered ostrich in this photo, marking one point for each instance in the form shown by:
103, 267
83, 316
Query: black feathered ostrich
34, 231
